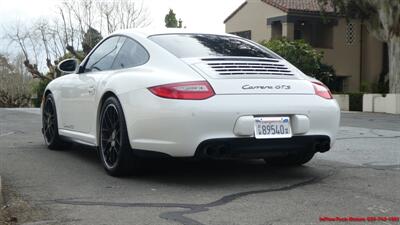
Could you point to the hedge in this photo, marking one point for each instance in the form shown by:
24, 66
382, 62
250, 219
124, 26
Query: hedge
355, 101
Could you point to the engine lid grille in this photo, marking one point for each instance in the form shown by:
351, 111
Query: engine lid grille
248, 67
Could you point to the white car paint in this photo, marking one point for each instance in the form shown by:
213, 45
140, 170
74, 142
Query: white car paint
177, 127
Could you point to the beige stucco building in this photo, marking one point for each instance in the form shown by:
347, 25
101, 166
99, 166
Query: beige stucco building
356, 56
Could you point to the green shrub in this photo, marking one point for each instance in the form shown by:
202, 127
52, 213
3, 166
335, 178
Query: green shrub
304, 57
374, 87
380, 87
355, 101
38, 88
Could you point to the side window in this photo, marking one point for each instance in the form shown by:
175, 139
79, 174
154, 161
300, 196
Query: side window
131, 54
103, 57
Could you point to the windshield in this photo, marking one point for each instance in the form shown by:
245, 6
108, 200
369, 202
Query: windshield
205, 45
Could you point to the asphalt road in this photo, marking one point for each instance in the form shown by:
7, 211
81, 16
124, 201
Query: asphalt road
359, 177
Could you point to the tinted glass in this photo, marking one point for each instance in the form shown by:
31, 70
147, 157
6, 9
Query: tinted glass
203, 45
131, 54
104, 55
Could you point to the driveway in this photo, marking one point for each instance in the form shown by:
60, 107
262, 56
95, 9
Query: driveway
359, 177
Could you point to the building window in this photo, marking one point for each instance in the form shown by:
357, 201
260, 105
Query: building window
243, 34
350, 33
276, 30
316, 33
339, 84
323, 36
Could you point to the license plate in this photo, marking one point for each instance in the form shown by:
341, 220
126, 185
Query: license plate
272, 127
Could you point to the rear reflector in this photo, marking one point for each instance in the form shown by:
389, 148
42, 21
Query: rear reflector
195, 90
322, 90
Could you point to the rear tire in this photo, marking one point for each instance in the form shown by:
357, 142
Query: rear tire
114, 148
50, 125
297, 159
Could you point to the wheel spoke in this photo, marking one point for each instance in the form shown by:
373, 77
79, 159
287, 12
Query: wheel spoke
110, 160
46, 107
46, 130
114, 154
117, 142
108, 156
110, 120
51, 131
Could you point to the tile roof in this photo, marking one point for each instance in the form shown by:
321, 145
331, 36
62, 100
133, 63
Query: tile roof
291, 6
300, 6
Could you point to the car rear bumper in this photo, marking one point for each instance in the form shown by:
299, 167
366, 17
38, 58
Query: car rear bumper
251, 148
261, 148
179, 127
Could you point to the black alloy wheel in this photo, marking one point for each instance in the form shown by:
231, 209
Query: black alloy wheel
114, 148
50, 126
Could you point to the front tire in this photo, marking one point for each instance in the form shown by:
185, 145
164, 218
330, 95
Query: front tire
50, 125
297, 159
114, 148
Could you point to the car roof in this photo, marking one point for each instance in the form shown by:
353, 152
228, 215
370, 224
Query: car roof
146, 32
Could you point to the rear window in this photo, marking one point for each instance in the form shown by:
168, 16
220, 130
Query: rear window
205, 45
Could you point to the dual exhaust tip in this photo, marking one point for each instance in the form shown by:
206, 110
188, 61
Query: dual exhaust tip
224, 150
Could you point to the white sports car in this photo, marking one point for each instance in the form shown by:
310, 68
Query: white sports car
186, 94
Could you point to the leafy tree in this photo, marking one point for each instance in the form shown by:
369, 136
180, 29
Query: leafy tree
303, 56
170, 19
78, 22
14, 83
90, 39
75, 30
180, 23
382, 19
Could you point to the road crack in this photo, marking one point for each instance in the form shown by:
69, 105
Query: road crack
179, 216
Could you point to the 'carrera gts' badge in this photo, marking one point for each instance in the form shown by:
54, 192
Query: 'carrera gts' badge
265, 87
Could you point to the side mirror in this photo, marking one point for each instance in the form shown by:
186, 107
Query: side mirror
68, 66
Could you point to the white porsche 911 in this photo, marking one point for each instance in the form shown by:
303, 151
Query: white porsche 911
186, 94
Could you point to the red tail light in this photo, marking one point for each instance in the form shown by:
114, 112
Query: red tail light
322, 90
195, 90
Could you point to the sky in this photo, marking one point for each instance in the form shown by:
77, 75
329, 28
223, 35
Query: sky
195, 14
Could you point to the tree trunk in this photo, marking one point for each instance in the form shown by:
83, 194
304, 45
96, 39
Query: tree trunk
394, 65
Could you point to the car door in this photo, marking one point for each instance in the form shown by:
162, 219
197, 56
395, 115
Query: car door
80, 102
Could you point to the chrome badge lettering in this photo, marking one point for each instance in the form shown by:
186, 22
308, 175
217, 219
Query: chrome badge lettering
264, 87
